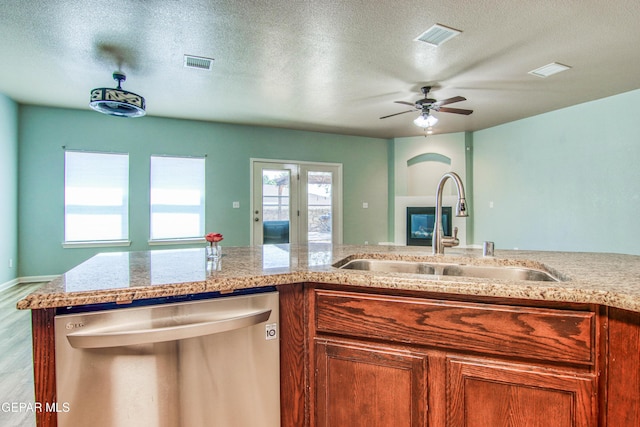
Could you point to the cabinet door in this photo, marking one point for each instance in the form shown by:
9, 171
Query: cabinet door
510, 395
365, 386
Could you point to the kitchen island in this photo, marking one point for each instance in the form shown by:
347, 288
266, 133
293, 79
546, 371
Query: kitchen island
579, 336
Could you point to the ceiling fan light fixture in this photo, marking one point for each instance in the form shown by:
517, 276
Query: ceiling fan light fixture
425, 120
117, 102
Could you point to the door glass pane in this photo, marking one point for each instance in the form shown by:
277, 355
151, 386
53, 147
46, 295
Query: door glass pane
276, 186
319, 206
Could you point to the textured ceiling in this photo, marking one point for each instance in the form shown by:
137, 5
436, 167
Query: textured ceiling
328, 66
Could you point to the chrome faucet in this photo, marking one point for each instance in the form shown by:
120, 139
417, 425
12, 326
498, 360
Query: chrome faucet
439, 239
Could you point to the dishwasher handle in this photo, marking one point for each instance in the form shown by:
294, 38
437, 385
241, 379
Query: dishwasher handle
164, 334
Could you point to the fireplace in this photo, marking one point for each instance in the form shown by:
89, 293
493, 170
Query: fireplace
420, 224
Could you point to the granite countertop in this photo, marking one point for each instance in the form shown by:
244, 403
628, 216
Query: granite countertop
607, 279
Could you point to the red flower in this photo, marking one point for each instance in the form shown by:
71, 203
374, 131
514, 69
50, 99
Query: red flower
214, 237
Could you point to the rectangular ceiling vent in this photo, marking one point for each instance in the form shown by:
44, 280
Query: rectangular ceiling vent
437, 35
549, 70
198, 62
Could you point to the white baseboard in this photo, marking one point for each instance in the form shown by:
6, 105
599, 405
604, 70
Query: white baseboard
34, 279
9, 284
26, 279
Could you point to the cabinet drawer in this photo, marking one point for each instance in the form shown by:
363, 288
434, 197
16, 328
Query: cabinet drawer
525, 332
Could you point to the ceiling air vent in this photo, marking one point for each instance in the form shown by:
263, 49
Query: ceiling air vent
549, 70
198, 62
437, 35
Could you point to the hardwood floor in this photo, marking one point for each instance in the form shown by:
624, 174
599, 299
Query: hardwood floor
16, 360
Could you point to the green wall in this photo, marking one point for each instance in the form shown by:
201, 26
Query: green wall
451, 145
8, 189
43, 131
419, 189
567, 180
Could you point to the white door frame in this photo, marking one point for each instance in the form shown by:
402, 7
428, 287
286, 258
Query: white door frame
337, 221
257, 217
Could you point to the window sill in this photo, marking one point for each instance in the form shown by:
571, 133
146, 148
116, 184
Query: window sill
96, 244
188, 241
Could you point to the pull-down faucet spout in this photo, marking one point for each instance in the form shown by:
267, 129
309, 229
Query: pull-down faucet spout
439, 239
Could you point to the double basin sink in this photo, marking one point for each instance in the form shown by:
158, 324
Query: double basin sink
443, 269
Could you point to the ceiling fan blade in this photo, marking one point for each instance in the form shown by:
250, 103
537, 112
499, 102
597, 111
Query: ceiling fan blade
391, 115
455, 110
450, 100
405, 103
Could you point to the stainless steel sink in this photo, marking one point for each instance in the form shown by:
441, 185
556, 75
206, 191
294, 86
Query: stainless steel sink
495, 272
441, 269
390, 266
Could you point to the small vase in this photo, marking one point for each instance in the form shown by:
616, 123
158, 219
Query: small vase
214, 264
214, 251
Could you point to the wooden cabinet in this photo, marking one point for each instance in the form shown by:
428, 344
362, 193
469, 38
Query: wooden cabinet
351, 357
544, 334
623, 372
375, 386
485, 394
383, 360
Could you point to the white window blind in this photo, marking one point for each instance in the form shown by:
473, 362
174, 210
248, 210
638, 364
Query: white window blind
177, 197
96, 196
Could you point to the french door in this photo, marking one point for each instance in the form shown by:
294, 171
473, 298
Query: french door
296, 202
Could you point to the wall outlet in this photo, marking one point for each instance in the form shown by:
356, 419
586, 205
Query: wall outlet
10, 262
365, 205
236, 205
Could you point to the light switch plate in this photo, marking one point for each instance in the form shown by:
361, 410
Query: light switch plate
236, 205
365, 205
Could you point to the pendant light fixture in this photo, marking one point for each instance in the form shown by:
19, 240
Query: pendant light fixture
117, 102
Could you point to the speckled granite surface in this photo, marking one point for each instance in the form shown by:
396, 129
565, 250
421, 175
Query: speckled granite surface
608, 279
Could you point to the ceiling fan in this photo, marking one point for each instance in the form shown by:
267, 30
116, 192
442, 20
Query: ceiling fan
429, 104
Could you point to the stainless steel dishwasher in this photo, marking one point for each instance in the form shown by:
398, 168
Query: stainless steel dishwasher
211, 363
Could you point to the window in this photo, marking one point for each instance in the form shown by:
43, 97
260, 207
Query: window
96, 197
177, 197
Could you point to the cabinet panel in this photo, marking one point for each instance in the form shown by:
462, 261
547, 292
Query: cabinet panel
292, 340
362, 386
623, 390
526, 332
44, 364
481, 394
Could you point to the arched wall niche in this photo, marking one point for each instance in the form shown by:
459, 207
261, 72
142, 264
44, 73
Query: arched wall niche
424, 172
